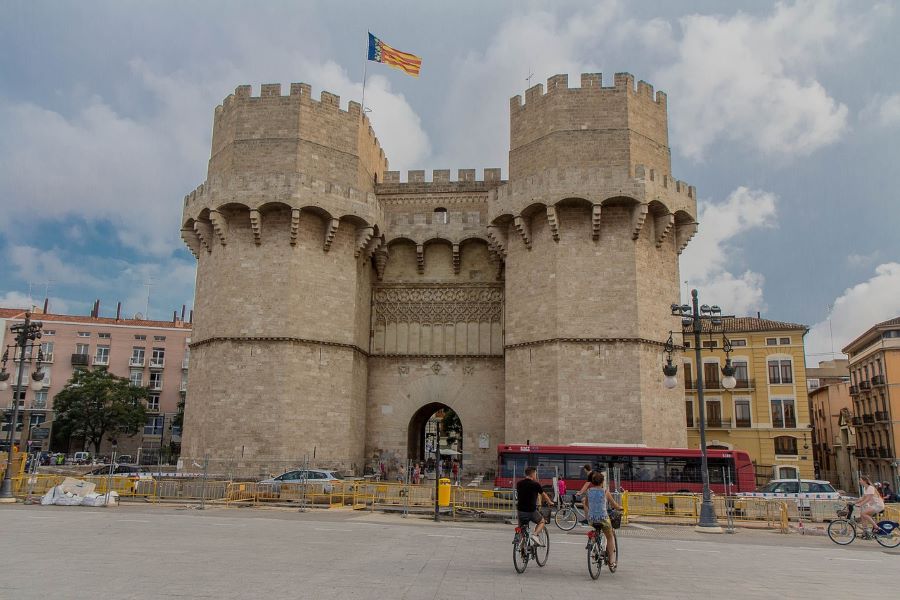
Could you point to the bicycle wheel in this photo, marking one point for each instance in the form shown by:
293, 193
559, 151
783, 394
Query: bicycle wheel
841, 531
890, 539
541, 553
520, 554
566, 518
595, 559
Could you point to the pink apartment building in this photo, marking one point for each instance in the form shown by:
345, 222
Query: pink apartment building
150, 353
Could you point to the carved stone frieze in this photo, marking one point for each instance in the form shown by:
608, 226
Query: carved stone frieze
438, 304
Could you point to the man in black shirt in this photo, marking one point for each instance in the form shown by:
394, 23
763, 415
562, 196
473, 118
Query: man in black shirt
528, 491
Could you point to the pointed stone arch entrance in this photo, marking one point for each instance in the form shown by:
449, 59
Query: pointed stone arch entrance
422, 431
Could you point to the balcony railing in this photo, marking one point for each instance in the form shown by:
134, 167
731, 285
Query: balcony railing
877, 379
136, 362
871, 452
48, 357
854, 390
101, 361
155, 386
884, 452
881, 415
868, 419
80, 360
856, 421
716, 423
157, 363
859, 453
864, 386
742, 423
183, 387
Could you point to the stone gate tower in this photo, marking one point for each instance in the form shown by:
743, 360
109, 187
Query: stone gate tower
590, 225
337, 307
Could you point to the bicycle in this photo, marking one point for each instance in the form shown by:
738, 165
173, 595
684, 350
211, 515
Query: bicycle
524, 548
569, 514
844, 530
597, 554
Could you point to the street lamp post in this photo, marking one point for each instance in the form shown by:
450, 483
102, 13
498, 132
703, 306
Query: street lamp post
26, 333
693, 317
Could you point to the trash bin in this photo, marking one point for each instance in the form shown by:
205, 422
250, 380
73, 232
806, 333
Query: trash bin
444, 492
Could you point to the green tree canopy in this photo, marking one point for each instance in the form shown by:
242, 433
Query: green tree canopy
95, 404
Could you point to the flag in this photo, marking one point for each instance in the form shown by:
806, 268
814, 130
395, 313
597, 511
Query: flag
382, 53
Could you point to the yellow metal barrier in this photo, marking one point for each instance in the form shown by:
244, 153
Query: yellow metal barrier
475, 501
682, 506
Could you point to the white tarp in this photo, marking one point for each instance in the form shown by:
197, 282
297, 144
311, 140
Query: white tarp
75, 492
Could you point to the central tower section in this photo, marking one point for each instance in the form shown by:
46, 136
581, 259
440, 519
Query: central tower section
590, 226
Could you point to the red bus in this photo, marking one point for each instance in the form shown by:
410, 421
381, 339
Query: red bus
632, 468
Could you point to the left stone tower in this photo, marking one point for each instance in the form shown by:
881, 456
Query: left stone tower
283, 229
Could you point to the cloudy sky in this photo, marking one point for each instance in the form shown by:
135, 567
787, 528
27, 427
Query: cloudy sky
786, 116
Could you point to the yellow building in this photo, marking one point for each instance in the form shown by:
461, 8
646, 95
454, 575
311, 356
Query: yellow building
767, 413
875, 391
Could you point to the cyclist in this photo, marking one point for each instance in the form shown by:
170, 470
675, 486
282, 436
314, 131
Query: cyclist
870, 504
596, 501
528, 491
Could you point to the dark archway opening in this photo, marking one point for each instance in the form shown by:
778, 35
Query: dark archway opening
422, 434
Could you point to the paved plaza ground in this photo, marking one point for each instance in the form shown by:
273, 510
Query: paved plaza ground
140, 551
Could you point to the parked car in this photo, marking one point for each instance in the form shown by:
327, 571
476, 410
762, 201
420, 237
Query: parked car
791, 489
81, 458
314, 477
133, 471
124, 458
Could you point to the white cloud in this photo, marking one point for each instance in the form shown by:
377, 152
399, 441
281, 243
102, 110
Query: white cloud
752, 80
882, 111
705, 264
14, 299
855, 311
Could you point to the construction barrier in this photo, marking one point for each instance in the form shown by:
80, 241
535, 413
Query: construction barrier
473, 501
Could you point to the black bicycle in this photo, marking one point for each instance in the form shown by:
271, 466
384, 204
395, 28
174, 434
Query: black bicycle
597, 552
525, 548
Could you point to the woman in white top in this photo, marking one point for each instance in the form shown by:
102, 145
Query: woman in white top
871, 502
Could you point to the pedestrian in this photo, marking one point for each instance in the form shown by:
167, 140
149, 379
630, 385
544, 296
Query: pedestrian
383, 470
417, 473
456, 471
561, 488
888, 493
401, 474
586, 472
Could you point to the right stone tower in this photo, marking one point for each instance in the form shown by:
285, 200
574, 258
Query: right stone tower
590, 226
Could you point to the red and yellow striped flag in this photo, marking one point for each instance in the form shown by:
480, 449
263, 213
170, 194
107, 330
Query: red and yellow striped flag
382, 53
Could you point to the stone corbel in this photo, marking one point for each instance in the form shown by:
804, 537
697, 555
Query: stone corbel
523, 226
553, 222
330, 230
256, 226
295, 225
637, 219
204, 233
663, 225
420, 258
498, 237
595, 221
683, 234
374, 244
381, 258
192, 241
220, 226
456, 259
363, 236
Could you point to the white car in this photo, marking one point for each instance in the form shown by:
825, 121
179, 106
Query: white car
313, 477
791, 489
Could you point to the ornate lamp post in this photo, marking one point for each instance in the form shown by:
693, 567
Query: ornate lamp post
26, 334
692, 318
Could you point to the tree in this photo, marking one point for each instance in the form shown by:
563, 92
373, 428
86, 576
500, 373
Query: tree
451, 426
95, 404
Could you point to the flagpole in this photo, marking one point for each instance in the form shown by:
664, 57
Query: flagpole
365, 72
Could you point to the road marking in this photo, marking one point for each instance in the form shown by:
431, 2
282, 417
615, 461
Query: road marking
573, 543
131, 521
697, 550
330, 529
639, 526
443, 535
856, 559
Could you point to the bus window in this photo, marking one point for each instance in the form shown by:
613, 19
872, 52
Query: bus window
717, 467
550, 465
575, 465
648, 468
513, 465
683, 470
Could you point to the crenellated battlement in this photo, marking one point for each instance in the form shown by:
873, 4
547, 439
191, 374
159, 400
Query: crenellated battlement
591, 83
279, 127
441, 176
588, 126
